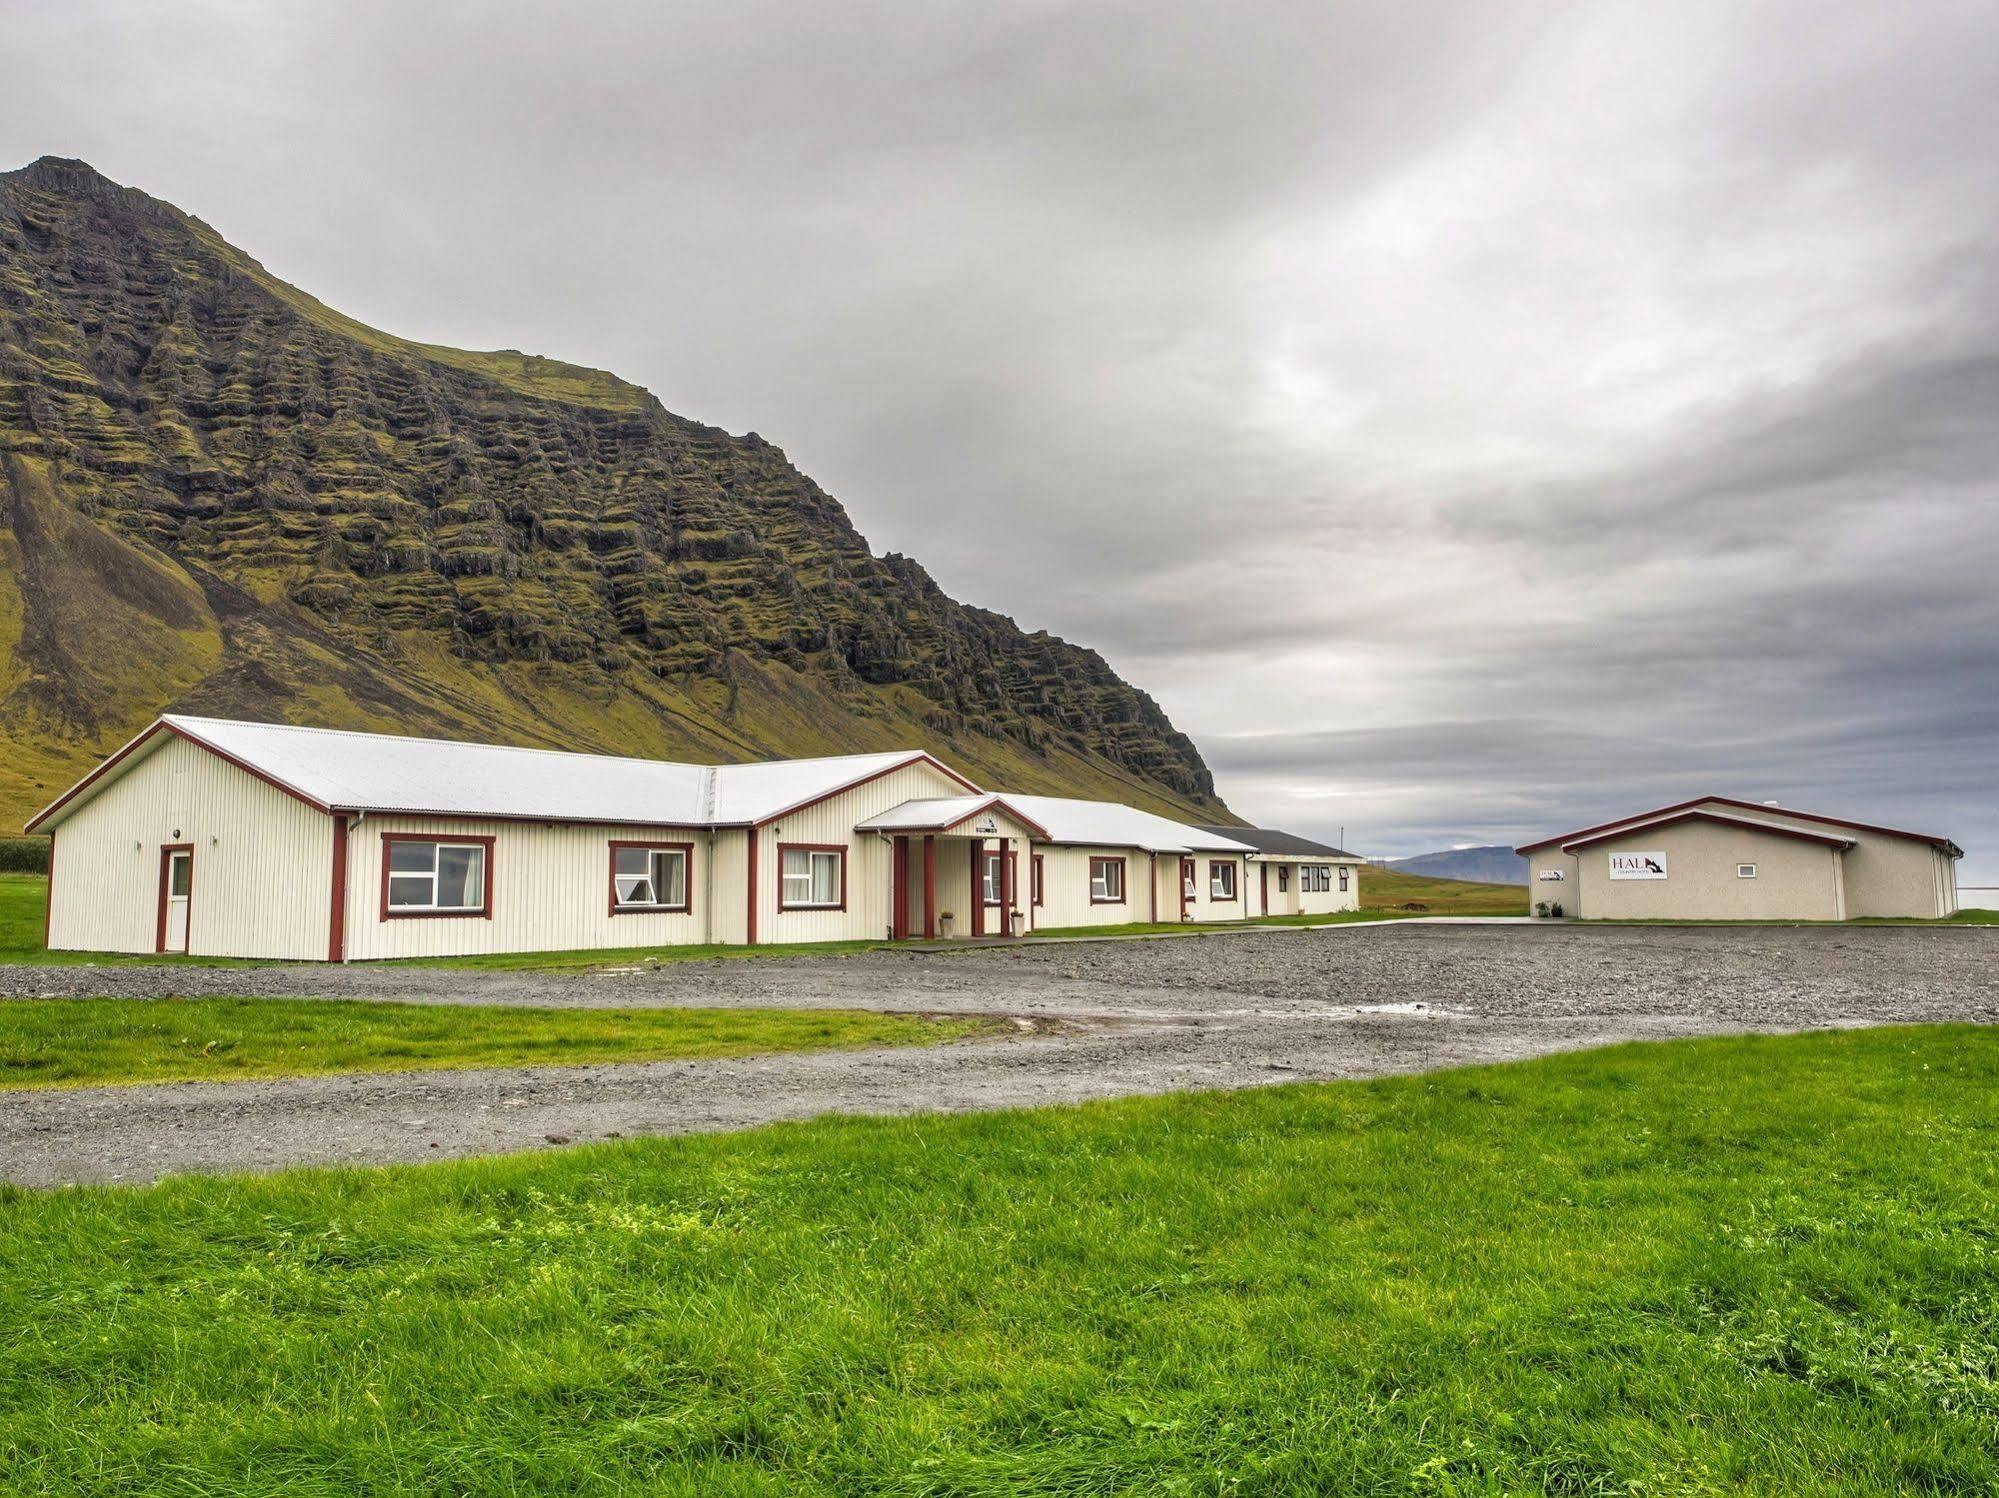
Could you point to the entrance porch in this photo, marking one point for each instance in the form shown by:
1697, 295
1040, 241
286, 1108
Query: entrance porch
957, 867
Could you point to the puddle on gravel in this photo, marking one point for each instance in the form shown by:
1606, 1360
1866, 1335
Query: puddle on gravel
1410, 1007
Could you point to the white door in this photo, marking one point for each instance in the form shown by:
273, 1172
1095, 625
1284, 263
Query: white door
179, 879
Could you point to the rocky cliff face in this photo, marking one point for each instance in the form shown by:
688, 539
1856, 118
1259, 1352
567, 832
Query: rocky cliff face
217, 494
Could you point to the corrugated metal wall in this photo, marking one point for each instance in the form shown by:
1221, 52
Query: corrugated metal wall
550, 892
263, 861
866, 916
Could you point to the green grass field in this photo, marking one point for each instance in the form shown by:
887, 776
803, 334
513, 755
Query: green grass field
1385, 889
1743, 1265
78, 1042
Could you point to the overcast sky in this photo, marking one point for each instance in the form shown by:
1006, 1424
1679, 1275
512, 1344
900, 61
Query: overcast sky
1468, 421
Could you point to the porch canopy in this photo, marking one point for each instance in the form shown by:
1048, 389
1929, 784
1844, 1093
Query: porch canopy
987, 824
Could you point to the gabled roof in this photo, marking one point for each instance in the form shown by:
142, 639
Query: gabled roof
1270, 841
334, 769
1111, 824
939, 813
1629, 829
1764, 810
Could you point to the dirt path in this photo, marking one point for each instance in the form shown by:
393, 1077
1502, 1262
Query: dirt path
1139, 1018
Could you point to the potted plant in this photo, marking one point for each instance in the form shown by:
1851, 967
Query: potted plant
1019, 927
1541, 909
1555, 910
944, 919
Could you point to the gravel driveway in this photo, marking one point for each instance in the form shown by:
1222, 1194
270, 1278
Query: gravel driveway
1134, 1017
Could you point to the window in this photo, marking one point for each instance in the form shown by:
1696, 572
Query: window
1317, 878
430, 876
1188, 889
1107, 881
649, 876
1283, 877
812, 878
989, 880
1035, 875
1745, 871
1345, 874
1221, 880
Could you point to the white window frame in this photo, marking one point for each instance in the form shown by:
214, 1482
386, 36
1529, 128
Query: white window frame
1745, 871
655, 853
837, 857
437, 846
1216, 868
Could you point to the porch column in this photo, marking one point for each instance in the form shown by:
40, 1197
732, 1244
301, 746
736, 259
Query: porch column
1006, 887
1263, 878
978, 849
1153, 861
929, 886
899, 895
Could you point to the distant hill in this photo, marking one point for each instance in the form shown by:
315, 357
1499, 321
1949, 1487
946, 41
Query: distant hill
1484, 865
221, 496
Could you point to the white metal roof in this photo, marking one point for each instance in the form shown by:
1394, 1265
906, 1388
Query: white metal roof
390, 773
1112, 824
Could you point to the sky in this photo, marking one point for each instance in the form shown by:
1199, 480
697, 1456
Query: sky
1468, 421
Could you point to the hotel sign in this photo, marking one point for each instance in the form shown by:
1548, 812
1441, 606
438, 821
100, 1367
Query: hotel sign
1638, 866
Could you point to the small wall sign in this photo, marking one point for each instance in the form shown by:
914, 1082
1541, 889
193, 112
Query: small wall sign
1638, 866
1550, 876
987, 825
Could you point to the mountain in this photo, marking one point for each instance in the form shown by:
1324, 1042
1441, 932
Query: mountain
220, 496
1485, 865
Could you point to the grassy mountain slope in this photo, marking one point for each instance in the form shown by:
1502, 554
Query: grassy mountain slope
219, 495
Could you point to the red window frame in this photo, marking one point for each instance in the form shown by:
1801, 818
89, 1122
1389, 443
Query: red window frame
1217, 865
1123, 881
839, 848
686, 905
1036, 873
449, 840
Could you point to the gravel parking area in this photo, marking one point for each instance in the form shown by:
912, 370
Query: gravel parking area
1138, 1017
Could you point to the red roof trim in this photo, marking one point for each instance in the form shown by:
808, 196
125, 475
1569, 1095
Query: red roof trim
1757, 806
161, 725
984, 806
157, 726
1631, 829
919, 756
249, 769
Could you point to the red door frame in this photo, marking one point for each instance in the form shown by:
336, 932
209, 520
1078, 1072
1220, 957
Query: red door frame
1188, 874
167, 851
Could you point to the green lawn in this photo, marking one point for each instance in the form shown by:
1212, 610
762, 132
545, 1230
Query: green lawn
1742, 1265
78, 1042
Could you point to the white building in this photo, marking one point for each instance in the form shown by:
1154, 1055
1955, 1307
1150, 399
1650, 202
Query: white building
1717, 858
1294, 875
237, 839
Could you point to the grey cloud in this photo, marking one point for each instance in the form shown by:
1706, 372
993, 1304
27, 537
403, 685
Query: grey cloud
1464, 420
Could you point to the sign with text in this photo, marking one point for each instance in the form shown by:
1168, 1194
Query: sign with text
987, 825
1551, 876
1638, 866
